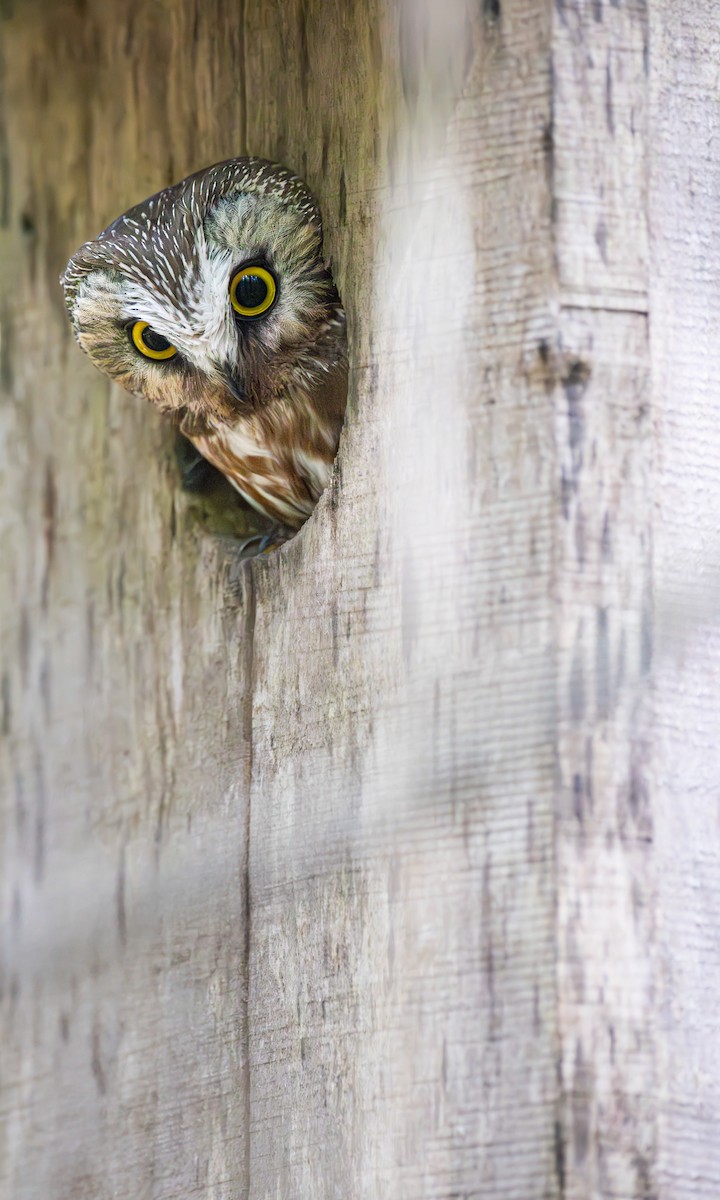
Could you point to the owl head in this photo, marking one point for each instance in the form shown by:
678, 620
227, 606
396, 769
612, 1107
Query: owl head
212, 296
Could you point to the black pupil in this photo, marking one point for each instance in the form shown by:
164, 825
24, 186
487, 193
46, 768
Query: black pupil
153, 340
251, 291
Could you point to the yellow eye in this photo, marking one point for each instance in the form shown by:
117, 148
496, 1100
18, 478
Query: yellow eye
149, 342
252, 291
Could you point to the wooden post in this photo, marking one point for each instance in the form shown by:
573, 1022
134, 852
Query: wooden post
385, 866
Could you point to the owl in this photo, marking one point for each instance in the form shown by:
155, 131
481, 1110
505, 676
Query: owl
213, 301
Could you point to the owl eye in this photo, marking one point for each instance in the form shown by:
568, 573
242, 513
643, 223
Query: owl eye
252, 291
151, 343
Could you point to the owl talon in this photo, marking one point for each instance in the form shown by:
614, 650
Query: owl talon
270, 540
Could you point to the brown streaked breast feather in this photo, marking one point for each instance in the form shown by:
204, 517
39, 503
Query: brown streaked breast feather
280, 456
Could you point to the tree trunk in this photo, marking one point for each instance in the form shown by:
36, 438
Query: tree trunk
385, 866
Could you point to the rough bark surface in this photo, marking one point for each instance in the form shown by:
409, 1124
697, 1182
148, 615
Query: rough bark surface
385, 866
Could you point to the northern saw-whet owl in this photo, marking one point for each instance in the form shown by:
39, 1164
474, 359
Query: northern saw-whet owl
213, 301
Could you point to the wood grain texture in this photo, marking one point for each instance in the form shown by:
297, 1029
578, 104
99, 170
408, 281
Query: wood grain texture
386, 866
124, 656
607, 982
684, 214
402, 990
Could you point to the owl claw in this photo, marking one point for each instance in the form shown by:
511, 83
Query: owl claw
262, 543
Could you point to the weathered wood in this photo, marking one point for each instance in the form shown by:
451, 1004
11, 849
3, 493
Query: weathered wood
386, 866
124, 655
402, 969
604, 849
684, 763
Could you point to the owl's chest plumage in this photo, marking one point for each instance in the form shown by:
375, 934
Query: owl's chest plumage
280, 455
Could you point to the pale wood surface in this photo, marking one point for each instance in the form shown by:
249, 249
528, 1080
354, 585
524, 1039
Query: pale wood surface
607, 982
684, 215
124, 657
386, 867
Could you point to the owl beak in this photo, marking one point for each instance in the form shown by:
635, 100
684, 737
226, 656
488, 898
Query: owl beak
234, 386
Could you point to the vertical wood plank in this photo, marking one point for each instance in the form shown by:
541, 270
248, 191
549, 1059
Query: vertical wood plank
402, 1015
605, 862
684, 210
124, 762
